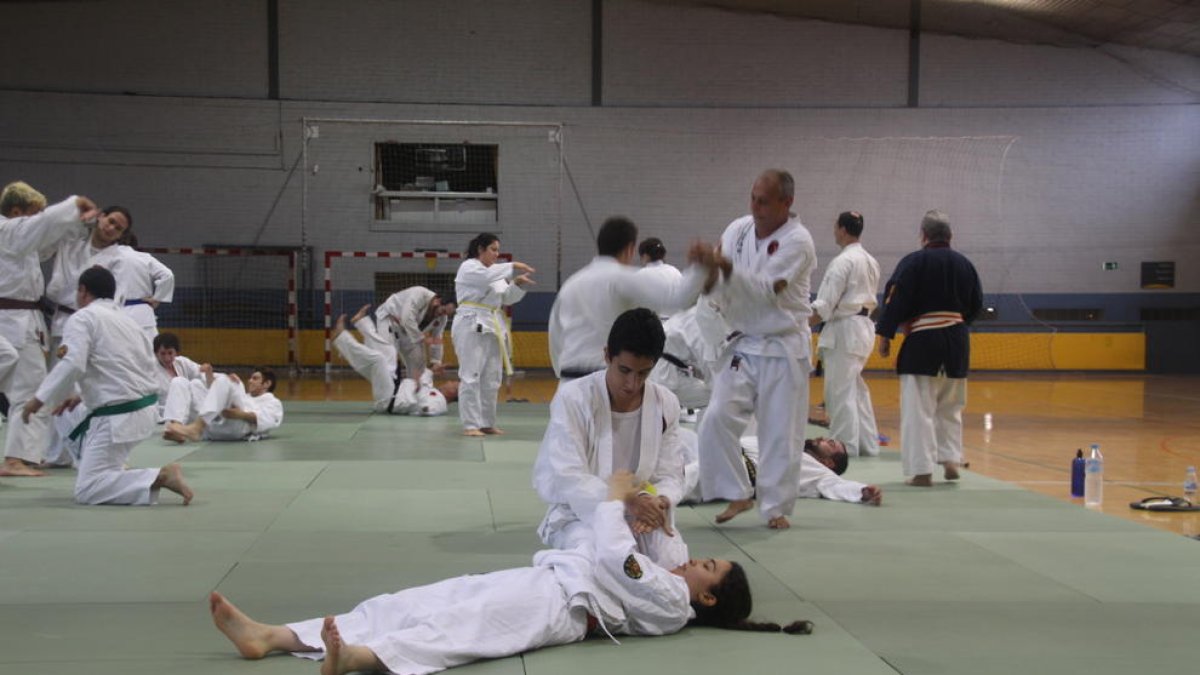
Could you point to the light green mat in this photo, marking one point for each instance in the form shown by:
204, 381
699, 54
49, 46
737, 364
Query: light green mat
979, 577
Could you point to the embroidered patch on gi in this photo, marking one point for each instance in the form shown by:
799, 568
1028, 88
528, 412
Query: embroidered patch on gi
772, 247
62, 351
632, 569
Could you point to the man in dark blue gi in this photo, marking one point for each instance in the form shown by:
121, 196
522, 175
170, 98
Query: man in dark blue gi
932, 296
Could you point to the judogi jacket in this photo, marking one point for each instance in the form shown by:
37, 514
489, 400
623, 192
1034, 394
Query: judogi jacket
626, 592
575, 458
927, 290
408, 307
24, 242
772, 324
592, 298
845, 299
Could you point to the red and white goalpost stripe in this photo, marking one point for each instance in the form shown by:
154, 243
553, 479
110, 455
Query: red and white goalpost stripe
292, 257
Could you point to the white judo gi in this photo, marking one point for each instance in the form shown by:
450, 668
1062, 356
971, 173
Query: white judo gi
816, 481
23, 242
140, 275
109, 357
844, 302
591, 300
695, 338
661, 270
767, 371
409, 330
456, 621
74, 255
576, 458
375, 359
189, 399
481, 338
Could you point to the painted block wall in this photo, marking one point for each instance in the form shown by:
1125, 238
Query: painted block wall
1050, 160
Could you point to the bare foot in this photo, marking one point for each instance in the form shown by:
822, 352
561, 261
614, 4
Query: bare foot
15, 467
922, 480
493, 431
472, 432
339, 326
360, 314
779, 523
251, 638
341, 658
950, 470
735, 507
171, 478
181, 433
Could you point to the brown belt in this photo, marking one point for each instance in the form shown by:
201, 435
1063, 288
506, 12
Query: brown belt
9, 303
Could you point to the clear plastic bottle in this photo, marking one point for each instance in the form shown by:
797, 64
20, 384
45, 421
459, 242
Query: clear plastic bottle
1093, 484
1189, 484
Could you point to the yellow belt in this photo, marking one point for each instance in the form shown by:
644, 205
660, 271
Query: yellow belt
498, 330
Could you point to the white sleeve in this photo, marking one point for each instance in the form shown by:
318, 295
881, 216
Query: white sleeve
833, 286
661, 293
560, 472
29, 234
77, 339
818, 480
161, 278
655, 599
268, 413
668, 474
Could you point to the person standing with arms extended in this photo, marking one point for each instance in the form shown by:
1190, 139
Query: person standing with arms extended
480, 332
933, 295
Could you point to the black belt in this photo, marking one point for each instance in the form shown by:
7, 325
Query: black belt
675, 361
576, 373
9, 303
395, 390
864, 312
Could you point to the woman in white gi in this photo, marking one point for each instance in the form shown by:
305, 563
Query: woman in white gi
480, 332
603, 584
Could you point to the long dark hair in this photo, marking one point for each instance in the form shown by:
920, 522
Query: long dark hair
734, 605
479, 243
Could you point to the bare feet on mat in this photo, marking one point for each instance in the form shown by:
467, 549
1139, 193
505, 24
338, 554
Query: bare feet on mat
171, 478
779, 523
339, 326
950, 470
15, 467
341, 658
251, 638
360, 314
735, 507
922, 480
493, 431
472, 432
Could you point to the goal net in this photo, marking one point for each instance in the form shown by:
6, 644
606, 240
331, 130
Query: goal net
233, 307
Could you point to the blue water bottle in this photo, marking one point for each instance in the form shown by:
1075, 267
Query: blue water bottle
1077, 466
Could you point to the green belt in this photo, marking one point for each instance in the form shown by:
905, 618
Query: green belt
114, 409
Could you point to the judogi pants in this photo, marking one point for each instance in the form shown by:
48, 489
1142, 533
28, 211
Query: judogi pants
930, 421
103, 478
774, 390
479, 377
453, 622
848, 403
373, 358
24, 440
188, 399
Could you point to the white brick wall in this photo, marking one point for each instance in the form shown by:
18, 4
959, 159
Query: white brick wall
1049, 160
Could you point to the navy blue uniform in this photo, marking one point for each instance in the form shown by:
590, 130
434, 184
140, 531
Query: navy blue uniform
934, 279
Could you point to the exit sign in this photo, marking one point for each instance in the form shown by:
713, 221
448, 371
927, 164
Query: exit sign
1110, 266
